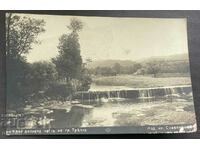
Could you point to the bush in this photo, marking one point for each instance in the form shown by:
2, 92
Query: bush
60, 91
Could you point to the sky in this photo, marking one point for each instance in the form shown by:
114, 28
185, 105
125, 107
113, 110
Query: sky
114, 37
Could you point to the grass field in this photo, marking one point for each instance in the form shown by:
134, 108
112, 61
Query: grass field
136, 81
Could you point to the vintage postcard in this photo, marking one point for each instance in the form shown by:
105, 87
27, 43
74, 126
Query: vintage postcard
97, 75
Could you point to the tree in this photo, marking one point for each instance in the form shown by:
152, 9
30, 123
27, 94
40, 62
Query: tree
41, 75
153, 67
16, 82
21, 34
117, 68
105, 71
69, 61
85, 80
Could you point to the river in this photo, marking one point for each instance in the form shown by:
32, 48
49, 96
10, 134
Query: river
117, 107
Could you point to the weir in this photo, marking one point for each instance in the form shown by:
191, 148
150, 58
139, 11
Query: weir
139, 93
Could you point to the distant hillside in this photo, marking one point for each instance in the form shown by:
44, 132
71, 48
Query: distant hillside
177, 57
110, 63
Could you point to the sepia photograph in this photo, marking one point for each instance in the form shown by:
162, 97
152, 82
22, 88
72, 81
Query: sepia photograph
89, 72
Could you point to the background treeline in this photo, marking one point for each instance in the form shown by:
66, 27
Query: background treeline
115, 69
34, 82
152, 66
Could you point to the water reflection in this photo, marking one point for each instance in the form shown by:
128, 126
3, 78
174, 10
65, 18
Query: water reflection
73, 118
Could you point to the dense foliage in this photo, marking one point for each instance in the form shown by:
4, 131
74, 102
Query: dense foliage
21, 34
40, 81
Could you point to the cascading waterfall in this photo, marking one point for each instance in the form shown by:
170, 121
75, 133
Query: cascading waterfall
140, 93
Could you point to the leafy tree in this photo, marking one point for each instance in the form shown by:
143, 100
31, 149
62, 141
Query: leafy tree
117, 68
21, 34
59, 91
136, 67
42, 75
69, 61
85, 80
154, 67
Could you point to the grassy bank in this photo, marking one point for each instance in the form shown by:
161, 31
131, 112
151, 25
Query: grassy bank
140, 81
